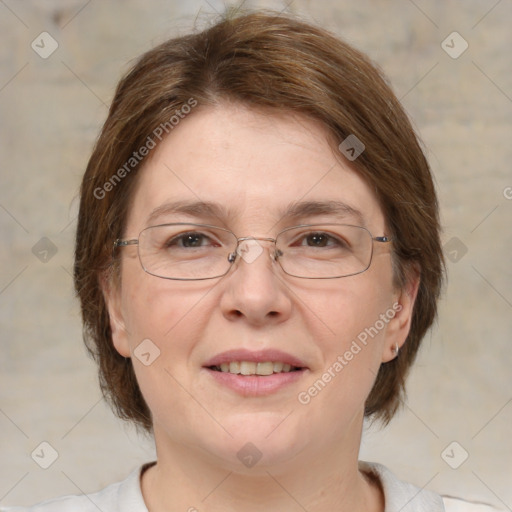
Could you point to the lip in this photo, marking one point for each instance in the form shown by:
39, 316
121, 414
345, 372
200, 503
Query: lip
255, 356
255, 385
252, 385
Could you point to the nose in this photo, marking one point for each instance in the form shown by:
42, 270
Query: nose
249, 249
254, 288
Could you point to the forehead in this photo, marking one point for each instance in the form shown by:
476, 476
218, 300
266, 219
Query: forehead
242, 167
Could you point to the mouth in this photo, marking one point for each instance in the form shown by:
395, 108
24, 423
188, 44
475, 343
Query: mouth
255, 373
261, 369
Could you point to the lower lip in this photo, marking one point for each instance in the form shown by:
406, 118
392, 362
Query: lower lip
256, 385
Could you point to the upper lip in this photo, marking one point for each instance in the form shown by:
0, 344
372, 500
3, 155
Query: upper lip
255, 356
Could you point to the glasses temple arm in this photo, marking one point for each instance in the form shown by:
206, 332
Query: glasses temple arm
124, 243
383, 239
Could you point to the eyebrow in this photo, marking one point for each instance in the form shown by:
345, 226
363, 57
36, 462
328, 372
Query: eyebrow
295, 210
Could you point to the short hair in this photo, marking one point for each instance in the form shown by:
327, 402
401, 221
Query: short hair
263, 60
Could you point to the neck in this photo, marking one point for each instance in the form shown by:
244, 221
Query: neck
314, 480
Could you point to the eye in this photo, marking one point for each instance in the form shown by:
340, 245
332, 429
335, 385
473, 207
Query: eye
321, 239
317, 239
189, 240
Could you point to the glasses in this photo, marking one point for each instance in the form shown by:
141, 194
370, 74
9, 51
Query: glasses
200, 251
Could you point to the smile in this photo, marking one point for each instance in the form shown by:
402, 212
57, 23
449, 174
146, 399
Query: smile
253, 368
253, 373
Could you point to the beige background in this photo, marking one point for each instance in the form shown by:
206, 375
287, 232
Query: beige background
51, 110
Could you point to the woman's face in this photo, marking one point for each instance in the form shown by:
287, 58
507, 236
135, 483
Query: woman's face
253, 166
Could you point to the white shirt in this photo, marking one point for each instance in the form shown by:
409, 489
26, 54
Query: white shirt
126, 496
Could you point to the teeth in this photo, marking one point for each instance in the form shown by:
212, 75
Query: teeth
278, 367
234, 367
247, 368
250, 368
265, 368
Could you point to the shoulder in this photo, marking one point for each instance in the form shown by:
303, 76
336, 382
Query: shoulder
400, 495
125, 496
68, 504
406, 497
458, 505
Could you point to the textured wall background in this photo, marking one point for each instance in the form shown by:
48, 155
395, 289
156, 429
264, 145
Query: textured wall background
51, 109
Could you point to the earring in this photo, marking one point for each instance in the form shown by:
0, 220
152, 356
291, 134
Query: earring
396, 349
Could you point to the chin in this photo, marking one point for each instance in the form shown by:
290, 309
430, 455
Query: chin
260, 442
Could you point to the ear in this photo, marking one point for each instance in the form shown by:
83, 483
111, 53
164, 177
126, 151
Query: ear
399, 326
112, 295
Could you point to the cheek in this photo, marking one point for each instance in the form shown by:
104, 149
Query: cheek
165, 323
160, 309
350, 336
337, 392
168, 317
348, 308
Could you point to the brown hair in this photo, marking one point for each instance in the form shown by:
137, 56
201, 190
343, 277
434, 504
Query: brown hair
263, 60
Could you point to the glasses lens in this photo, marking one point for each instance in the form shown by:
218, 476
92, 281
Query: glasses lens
325, 250
186, 251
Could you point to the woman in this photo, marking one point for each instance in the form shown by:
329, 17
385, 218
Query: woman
257, 259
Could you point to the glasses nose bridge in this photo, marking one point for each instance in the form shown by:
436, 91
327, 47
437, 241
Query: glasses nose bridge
265, 239
273, 253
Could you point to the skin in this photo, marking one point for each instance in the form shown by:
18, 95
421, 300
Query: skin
254, 164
